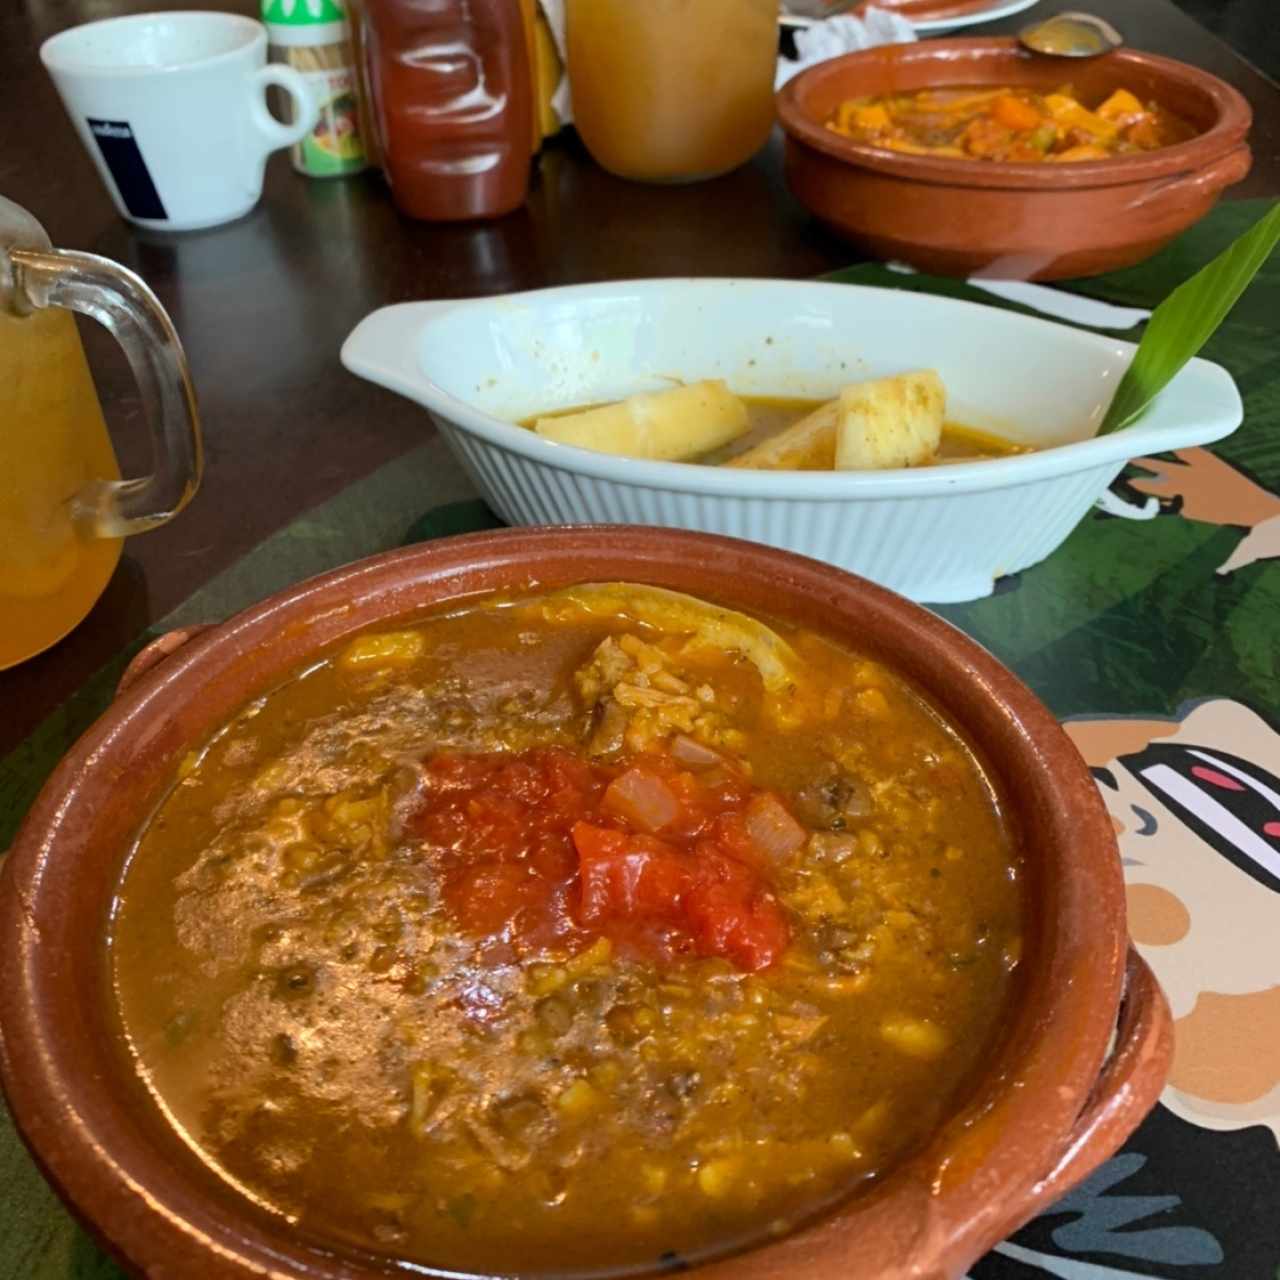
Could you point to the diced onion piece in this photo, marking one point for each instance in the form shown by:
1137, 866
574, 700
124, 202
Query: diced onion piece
641, 798
689, 751
772, 829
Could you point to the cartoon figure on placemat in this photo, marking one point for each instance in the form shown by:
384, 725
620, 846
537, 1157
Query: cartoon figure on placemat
1196, 806
1195, 801
1206, 488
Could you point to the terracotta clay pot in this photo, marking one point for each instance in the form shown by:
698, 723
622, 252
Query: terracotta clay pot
1054, 1101
954, 216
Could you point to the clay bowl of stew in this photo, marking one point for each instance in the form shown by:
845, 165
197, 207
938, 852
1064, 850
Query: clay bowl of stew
954, 215
462, 909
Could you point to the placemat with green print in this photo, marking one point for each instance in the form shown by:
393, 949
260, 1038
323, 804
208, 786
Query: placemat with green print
1158, 642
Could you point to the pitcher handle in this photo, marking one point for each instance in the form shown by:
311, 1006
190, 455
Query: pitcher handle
120, 301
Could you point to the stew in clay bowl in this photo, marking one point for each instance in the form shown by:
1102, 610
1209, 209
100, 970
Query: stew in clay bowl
1092, 200
584, 902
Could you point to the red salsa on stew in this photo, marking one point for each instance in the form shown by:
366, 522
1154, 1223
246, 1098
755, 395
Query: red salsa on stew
546, 848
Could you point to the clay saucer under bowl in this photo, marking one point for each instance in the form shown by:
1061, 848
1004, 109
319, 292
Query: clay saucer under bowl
1086, 1044
955, 216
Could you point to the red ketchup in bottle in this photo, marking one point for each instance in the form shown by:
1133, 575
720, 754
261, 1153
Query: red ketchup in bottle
452, 104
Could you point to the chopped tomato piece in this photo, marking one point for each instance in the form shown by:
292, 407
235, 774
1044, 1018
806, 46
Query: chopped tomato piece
628, 876
729, 833
545, 849
747, 928
722, 903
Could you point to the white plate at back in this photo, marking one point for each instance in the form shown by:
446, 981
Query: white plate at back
933, 26
1005, 10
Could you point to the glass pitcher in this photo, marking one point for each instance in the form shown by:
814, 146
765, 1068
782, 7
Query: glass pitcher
64, 508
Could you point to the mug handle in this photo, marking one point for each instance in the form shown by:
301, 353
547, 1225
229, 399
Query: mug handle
306, 110
120, 301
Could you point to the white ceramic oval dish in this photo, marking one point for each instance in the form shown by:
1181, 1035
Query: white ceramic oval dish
935, 534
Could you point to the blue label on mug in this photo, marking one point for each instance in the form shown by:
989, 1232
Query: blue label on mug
120, 150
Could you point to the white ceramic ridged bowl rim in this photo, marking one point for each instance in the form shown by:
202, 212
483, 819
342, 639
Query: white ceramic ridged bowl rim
1199, 406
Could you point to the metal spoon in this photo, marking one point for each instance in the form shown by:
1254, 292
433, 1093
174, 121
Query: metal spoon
1071, 35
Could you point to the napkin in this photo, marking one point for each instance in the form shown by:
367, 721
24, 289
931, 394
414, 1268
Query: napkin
1072, 307
844, 34
561, 102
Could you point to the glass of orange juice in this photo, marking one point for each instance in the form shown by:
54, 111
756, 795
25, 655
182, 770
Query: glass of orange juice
672, 90
64, 508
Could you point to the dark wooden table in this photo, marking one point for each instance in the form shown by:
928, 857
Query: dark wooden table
263, 304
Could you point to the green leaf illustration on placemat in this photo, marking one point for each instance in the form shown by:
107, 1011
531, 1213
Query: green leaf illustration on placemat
454, 517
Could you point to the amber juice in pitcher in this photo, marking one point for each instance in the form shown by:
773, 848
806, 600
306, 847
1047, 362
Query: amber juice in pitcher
63, 507
672, 90
53, 443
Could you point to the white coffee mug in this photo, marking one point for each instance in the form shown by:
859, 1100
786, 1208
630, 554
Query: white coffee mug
172, 108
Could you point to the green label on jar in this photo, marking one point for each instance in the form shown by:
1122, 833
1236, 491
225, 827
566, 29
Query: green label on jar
334, 145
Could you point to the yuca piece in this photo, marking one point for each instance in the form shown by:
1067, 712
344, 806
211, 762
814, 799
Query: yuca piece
890, 422
887, 422
663, 426
807, 445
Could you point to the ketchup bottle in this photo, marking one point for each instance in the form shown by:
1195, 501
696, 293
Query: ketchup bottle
452, 104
